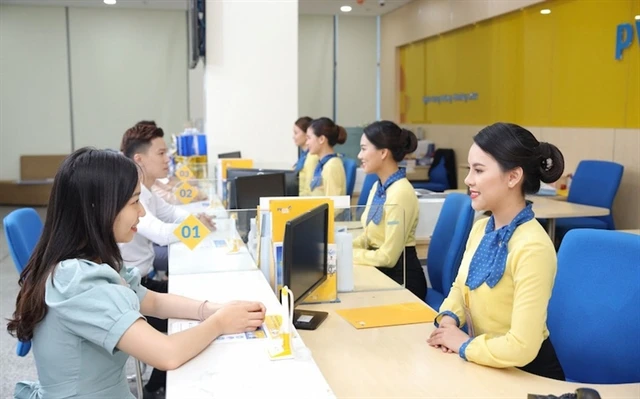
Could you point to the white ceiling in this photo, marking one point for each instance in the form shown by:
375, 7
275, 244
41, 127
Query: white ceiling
326, 7
368, 7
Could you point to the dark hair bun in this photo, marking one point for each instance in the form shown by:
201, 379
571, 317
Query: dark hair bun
513, 146
410, 141
334, 133
342, 135
388, 135
551, 162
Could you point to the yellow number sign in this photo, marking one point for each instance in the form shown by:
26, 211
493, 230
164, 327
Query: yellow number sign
184, 173
186, 193
191, 232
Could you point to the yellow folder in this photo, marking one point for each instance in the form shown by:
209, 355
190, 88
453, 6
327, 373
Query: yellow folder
388, 315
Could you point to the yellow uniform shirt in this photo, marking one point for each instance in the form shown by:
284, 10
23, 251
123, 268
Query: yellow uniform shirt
388, 237
509, 319
334, 179
305, 175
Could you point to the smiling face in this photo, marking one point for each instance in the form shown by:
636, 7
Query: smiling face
299, 137
124, 226
488, 183
155, 160
315, 144
371, 158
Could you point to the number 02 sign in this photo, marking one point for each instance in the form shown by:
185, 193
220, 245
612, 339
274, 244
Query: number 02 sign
191, 232
186, 193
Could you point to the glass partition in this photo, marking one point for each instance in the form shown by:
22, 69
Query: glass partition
194, 167
195, 195
215, 240
370, 265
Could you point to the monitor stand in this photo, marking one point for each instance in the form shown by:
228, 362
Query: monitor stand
308, 319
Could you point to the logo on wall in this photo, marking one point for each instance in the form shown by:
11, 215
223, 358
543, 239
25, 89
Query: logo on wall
450, 98
624, 37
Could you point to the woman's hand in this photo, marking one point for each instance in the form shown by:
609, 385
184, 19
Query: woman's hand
238, 302
448, 337
447, 320
238, 317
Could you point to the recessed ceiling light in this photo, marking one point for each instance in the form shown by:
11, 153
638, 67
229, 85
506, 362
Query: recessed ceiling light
345, 8
545, 11
109, 2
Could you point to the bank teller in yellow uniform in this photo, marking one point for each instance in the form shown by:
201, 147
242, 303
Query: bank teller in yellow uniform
391, 215
329, 178
507, 273
306, 162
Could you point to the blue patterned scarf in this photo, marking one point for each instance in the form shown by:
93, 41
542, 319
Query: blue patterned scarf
380, 196
490, 259
316, 181
301, 159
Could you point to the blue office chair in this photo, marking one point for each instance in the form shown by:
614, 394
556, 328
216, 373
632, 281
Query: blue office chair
593, 316
447, 246
442, 173
594, 183
367, 184
22, 229
350, 169
369, 180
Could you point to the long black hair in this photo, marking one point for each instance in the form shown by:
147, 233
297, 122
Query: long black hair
89, 190
513, 146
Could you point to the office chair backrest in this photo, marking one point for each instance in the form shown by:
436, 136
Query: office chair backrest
22, 229
350, 170
444, 157
369, 180
596, 183
438, 178
448, 241
593, 316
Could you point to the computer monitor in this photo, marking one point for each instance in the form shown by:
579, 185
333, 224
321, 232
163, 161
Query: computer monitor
246, 195
249, 189
235, 154
304, 261
290, 179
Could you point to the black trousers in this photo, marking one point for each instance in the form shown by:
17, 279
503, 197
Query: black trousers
158, 378
415, 282
546, 363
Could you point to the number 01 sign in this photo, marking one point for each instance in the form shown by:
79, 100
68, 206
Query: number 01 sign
191, 232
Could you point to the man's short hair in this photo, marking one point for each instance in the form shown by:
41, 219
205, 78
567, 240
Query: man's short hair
150, 123
137, 139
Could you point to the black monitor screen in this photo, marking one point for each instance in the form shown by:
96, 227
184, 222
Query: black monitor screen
290, 180
235, 154
249, 189
304, 260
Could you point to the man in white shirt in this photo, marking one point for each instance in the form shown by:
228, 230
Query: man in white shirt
147, 251
144, 144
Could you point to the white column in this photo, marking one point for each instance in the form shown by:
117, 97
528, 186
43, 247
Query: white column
251, 79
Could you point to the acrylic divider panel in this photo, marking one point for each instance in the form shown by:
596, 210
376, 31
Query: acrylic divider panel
194, 195
377, 259
232, 244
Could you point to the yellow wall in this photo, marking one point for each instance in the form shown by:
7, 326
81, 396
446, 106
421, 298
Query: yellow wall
537, 70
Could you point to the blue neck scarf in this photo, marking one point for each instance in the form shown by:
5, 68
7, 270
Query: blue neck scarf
316, 181
301, 159
380, 197
490, 259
